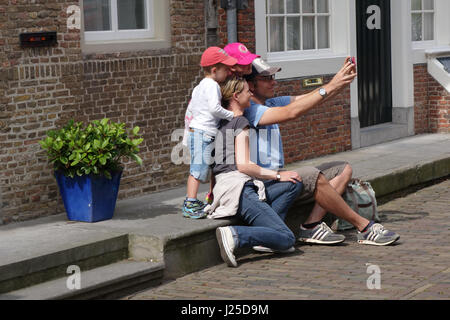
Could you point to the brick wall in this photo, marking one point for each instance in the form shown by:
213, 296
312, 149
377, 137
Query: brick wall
439, 107
326, 129
37, 86
40, 89
431, 103
421, 114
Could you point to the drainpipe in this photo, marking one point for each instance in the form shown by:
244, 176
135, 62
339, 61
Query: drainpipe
232, 7
231, 21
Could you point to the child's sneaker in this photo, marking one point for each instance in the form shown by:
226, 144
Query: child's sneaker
376, 235
193, 209
209, 198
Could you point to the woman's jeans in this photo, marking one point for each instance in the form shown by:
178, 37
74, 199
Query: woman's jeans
265, 219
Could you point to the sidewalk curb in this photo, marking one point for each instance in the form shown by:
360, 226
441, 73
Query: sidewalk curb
409, 176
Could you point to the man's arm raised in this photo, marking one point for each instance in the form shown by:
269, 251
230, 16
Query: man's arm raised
304, 103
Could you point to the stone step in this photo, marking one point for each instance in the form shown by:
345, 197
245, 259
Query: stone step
107, 282
31, 254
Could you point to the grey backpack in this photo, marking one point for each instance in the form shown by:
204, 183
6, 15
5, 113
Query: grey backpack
360, 196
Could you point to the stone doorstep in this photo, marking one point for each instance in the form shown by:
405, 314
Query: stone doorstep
106, 282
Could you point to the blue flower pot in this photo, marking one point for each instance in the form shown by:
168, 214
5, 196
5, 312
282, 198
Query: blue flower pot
89, 198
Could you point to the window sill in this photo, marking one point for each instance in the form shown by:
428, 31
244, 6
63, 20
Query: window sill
419, 48
124, 45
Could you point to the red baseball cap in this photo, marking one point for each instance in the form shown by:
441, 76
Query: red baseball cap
241, 53
214, 55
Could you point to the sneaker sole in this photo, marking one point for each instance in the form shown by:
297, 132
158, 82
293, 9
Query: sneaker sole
315, 241
224, 249
377, 244
188, 215
268, 250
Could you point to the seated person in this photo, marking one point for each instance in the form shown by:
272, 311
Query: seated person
238, 192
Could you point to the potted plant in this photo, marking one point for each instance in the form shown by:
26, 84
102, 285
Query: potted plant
87, 165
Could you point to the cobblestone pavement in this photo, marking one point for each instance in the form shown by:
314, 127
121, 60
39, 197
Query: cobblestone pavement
417, 267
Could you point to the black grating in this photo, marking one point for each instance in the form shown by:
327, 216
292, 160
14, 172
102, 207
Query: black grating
445, 62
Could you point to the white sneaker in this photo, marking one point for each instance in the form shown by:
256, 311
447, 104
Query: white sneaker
268, 250
226, 245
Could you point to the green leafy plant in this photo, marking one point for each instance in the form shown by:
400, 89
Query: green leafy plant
96, 148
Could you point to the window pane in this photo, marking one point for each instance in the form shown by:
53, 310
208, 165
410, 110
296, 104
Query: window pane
308, 6
293, 33
308, 33
276, 6
293, 6
131, 14
416, 26
96, 15
276, 34
322, 32
322, 6
428, 4
416, 4
428, 28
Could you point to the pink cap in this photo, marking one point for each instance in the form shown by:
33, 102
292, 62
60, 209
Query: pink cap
240, 52
214, 55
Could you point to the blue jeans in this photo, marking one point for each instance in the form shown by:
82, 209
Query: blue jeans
265, 218
201, 146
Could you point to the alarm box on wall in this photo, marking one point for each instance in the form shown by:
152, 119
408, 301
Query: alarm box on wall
38, 39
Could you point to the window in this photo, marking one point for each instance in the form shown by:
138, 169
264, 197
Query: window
307, 37
117, 19
297, 25
422, 20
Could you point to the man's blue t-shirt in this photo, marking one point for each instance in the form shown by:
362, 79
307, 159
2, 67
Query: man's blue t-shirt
266, 148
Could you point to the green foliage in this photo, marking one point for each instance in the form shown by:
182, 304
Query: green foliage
97, 148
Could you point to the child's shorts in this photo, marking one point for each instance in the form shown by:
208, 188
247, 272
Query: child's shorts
201, 146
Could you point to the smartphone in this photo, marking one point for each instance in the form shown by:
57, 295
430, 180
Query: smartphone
353, 60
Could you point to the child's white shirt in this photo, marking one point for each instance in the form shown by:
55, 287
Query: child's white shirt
205, 107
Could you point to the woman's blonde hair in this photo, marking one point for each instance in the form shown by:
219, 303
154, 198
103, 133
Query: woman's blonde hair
232, 85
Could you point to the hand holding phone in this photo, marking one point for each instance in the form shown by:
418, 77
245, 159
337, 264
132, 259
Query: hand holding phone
353, 61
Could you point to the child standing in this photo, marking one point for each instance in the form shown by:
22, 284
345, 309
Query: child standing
202, 118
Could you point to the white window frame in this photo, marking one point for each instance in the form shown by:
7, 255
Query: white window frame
308, 62
425, 43
441, 31
117, 35
289, 53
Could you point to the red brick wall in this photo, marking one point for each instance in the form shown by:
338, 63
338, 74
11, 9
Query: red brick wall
37, 86
40, 89
326, 129
439, 107
431, 103
421, 114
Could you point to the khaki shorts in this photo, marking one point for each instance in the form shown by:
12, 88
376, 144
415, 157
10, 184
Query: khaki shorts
310, 175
